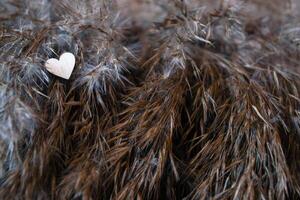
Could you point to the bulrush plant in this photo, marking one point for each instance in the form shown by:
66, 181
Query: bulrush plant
167, 99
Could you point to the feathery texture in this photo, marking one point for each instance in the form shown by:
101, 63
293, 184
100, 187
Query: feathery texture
168, 99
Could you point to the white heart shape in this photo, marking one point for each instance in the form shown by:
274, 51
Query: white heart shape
62, 67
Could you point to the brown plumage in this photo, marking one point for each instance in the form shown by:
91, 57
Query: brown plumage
168, 100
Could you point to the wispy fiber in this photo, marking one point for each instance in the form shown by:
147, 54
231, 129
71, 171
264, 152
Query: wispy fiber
168, 100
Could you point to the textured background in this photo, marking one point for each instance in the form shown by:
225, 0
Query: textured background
169, 99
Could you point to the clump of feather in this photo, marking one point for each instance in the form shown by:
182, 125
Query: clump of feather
190, 99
